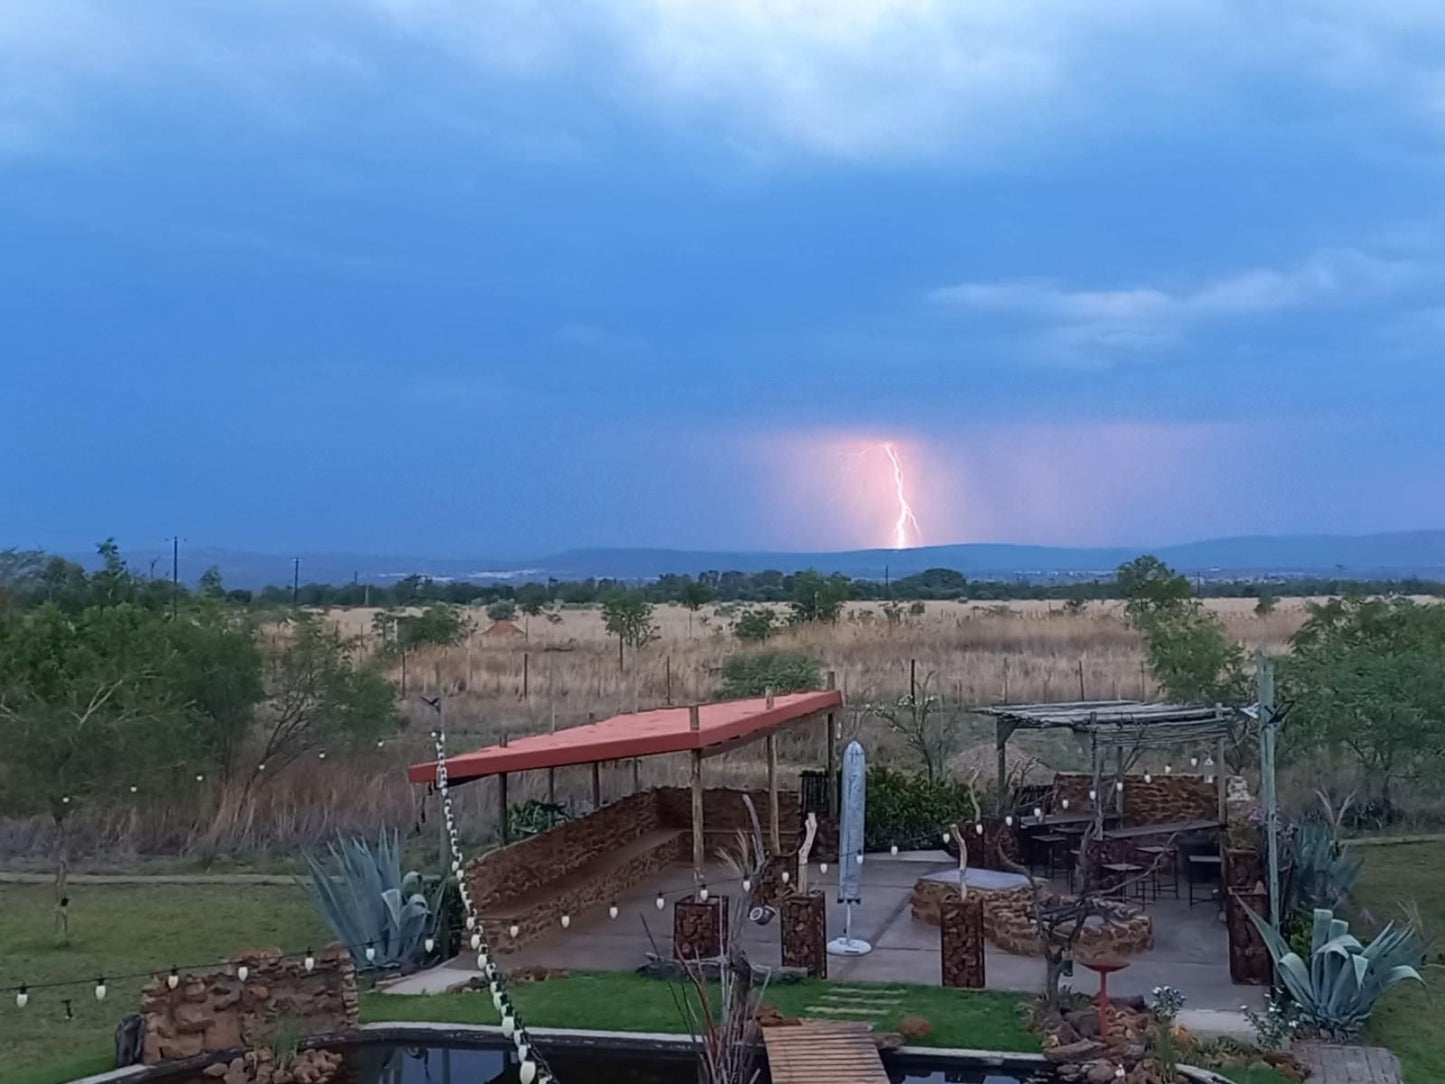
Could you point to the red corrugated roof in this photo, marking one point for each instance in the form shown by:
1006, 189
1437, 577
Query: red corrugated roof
644, 734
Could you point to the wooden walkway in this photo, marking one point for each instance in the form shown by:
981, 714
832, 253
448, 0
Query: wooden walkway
1349, 1064
823, 1052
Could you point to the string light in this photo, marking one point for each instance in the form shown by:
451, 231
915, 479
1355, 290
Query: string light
1066, 803
946, 838
494, 976
893, 850
1038, 813
173, 979
1119, 786
1168, 769
859, 857
476, 941
22, 997
566, 921
514, 929
747, 884
978, 828
1093, 795
429, 944
1148, 777
702, 893
310, 962
1008, 820
242, 971
100, 988
786, 878
612, 910
822, 867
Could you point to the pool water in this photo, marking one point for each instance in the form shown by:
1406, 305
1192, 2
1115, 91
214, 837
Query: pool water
390, 1064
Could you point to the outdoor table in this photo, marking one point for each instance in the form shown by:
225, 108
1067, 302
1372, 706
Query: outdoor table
1171, 828
1054, 820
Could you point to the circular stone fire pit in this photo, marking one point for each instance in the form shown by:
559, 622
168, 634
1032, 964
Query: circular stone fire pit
1008, 907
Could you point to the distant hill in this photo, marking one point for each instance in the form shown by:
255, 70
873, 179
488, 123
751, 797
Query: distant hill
1396, 554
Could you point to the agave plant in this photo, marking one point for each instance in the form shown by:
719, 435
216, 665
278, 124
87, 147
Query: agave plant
1323, 873
1337, 990
369, 905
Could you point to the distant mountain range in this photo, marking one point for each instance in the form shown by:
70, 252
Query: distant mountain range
1391, 555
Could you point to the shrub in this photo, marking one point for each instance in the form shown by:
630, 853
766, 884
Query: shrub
753, 673
755, 626
912, 810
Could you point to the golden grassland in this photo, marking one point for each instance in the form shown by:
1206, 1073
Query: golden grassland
561, 671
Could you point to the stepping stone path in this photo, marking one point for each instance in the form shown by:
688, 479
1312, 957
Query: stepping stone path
867, 1002
1349, 1064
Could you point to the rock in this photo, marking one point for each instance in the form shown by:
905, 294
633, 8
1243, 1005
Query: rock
217, 1068
1099, 1072
1076, 1052
914, 1028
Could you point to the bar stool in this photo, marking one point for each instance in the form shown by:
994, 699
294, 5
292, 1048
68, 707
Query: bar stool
1050, 842
1119, 872
1154, 856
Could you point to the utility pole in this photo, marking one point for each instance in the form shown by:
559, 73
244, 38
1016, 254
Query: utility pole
1268, 731
295, 580
175, 573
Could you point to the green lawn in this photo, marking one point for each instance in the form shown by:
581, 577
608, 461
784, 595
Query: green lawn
619, 1001
115, 930
1408, 1021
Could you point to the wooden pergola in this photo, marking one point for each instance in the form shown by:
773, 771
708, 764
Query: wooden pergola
1119, 725
699, 730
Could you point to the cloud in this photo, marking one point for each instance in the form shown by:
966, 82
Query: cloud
1141, 318
856, 80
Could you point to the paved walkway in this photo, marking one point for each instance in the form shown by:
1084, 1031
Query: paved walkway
1190, 950
1349, 1064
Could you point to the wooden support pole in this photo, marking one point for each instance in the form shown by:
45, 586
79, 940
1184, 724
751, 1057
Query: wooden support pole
830, 683
551, 786
1000, 741
698, 855
773, 836
596, 785
526, 675
502, 798
1118, 778
636, 774
502, 807
1220, 780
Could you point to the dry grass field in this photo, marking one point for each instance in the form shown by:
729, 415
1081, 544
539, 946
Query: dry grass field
563, 670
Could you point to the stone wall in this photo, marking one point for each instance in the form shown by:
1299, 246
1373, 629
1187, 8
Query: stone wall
723, 813
214, 1011
532, 883
1165, 798
520, 869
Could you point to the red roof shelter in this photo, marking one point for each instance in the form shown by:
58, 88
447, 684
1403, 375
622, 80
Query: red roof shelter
700, 729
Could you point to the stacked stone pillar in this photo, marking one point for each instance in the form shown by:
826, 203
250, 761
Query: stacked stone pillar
699, 928
805, 932
961, 938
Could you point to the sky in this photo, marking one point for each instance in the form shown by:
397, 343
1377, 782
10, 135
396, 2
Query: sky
445, 278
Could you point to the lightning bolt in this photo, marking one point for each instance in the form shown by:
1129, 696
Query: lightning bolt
905, 513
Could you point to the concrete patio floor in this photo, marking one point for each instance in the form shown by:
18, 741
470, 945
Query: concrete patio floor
1190, 945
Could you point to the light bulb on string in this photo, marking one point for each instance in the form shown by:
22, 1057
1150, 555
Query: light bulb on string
1148, 777
100, 988
786, 877
482, 961
566, 921
858, 858
747, 884
134, 789
429, 944
822, 867
527, 1074
242, 972
22, 997
661, 903
513, 930
1065, 803
309, 963
1119, 786
1038, 813
612, 911
1093, 795
321, 755
946, 838
371, 954
702, 893
893, 850
1008, 820
476, 941
509, 1026
978, 828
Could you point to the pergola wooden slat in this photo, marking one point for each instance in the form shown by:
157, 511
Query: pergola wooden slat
1117, 724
